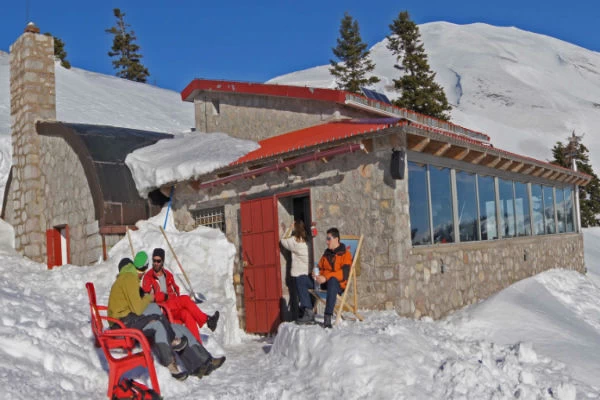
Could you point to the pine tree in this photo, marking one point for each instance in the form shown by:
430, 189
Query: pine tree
589, 195
127, 62
59, 51
355, 63
419, 91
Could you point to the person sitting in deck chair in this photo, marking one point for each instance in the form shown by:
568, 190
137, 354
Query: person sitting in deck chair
161, 282
127, 305
334, 269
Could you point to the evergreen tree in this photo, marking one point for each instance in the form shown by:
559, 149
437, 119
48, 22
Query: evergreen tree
419, 91
589, 195
127, 62
59, 51
355, 63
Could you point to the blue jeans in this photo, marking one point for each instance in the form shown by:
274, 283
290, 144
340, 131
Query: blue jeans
305, 282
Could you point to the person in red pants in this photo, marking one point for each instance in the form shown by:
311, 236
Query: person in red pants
161, 283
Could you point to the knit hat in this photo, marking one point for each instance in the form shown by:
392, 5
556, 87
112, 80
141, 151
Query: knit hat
141, 261
124, 262
158, 252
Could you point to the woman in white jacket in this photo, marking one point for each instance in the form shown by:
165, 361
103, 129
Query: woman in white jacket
298, 246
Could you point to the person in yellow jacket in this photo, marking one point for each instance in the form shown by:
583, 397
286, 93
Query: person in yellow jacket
334, 269
126, 303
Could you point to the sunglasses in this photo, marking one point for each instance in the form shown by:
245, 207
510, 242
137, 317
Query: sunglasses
329, 238
156, 261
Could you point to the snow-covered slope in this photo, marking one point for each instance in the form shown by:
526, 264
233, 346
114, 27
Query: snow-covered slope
525, 90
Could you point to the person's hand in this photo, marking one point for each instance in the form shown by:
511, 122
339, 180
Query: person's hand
283, 226
320, 279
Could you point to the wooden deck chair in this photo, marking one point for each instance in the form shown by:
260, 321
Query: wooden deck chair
353, 244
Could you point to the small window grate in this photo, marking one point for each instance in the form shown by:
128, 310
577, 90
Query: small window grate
211, 217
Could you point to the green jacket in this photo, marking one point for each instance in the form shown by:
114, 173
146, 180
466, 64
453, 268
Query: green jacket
124, 295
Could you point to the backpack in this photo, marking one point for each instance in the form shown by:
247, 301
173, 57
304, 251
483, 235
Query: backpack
132, 390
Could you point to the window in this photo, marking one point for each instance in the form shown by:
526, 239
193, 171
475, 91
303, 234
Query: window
466, 194
507, 208
523, 218
560, 210
441, 205
487, 207
419, 204
538, 209
569, 209
549, 209
211, 217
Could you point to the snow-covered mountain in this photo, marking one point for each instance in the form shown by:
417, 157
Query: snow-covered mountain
527, 91
93, 98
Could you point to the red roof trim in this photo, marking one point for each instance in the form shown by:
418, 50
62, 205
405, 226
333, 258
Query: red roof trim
299, 92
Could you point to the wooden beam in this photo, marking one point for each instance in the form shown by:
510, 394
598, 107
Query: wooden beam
462, 154
517, 167
421, 145
538, 171
440, 152
563, 177
529, 170
478, 159
505, 166
547, 174
494, 162
555, 175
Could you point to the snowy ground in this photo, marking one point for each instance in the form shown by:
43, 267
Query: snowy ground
538, 339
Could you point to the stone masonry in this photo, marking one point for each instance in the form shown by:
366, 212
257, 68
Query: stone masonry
356, 194
32, 92
258, 117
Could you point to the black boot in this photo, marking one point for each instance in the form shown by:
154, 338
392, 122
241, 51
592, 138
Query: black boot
307, 318
179, 344
327, 321
212, 321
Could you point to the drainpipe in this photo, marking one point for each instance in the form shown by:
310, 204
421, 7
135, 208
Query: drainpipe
578, 210
317, 155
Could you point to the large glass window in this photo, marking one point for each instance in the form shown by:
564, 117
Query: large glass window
538, 209
487, 207
466, 193
522, 209
419, 204
507, 208
441, 205
549, 209
569, 209
560, 210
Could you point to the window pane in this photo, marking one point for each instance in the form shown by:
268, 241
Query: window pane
419, 204
466, 193
549, 209
569, 209
507, 211
522, 209
487, 207
441, 205
538, 207
560, 210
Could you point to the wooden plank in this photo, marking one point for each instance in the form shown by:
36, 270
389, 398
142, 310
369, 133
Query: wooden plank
494, 162
547, 174
538, 171
479, 158
504, 166
517, 167
529, 170
440, 152
461, 155
421, 145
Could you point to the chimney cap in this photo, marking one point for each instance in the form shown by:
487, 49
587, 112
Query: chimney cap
31, 27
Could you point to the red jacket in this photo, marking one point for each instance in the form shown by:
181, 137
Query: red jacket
150, 283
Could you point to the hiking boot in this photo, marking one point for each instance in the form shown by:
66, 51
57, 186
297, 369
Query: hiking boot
213, 363
307, 318
327, 321
212, 321
200, 371
180, 376
179, 344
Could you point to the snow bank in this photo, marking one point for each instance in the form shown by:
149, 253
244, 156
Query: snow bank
184, 157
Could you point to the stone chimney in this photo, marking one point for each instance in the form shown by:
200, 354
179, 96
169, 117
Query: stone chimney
32, 98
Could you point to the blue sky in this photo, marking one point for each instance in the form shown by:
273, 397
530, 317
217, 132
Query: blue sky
257, 40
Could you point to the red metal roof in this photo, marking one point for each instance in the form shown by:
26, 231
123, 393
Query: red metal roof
308, 137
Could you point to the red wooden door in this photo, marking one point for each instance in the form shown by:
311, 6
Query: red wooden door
53, 249
262, 275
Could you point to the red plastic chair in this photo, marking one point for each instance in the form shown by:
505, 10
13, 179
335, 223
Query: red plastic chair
124, 339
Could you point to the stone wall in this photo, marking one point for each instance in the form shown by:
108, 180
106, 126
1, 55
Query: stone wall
32, 94
258, 117
69, 199
356, 194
